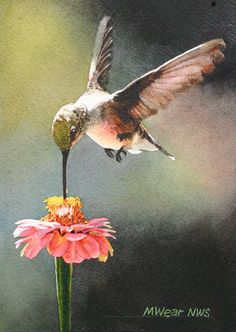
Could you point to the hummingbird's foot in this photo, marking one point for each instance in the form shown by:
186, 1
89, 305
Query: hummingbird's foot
119, 153
110, 153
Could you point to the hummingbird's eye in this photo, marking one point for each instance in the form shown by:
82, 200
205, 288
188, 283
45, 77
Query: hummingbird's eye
72, 133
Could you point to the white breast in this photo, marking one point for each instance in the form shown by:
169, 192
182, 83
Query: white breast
104, 135
100, 130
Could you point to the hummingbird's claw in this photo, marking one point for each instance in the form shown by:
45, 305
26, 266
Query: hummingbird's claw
118, 154
110, 153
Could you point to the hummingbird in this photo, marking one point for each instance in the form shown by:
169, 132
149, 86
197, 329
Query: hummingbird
115, 120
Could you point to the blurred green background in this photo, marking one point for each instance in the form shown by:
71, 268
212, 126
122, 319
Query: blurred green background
175, 221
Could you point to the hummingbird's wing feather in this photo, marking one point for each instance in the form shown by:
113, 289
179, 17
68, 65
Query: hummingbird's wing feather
154, 91
102, 55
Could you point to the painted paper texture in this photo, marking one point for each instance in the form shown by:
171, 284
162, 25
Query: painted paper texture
174, 261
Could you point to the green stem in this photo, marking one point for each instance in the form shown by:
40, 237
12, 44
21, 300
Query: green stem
64, 271
64, 284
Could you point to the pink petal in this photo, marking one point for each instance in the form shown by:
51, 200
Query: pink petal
19, 242
27, 221
72, 255
66, 229
91, 224
44, 241
57, 244
75, 228
82, 251
81, 227
30, 222
103, 232
23, 231
103, 245
36, 236
37, 223
30, 250
35, 243
75, 236
95, 220
91, 246
99, 224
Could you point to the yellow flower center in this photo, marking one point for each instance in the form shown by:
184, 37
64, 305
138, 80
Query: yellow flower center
64, 211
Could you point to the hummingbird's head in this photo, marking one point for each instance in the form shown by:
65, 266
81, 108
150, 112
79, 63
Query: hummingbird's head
69, 126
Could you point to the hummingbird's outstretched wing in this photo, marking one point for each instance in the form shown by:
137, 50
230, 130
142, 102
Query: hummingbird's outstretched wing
153, 91
102, 55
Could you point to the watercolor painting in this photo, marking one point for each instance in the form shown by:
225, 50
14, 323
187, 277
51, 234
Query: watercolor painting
119, 116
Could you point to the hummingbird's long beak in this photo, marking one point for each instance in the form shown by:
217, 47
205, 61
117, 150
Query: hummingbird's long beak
65, 155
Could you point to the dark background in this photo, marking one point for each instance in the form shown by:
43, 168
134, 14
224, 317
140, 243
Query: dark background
175, 222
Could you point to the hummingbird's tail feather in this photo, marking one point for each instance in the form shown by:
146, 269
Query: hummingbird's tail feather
160, 148
143, 141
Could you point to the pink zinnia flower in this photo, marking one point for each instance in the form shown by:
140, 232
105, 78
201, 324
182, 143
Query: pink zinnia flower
65, 232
